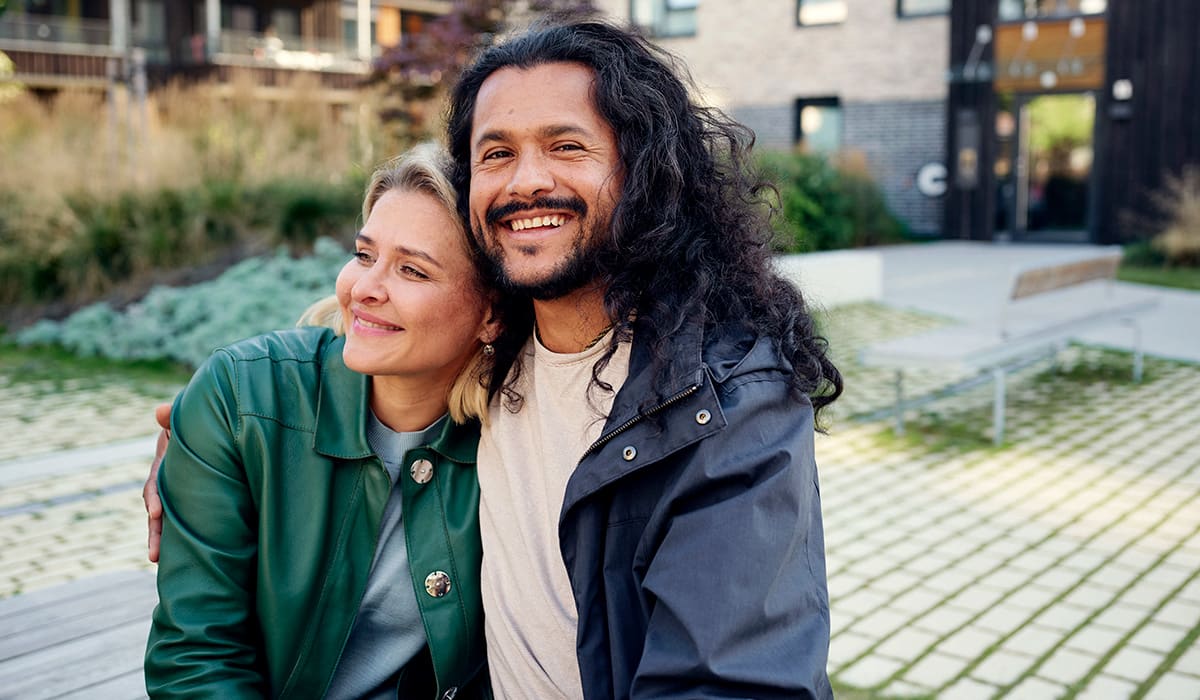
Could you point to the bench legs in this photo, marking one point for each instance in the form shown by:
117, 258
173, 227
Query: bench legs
1137, 352
998, 376
998, 402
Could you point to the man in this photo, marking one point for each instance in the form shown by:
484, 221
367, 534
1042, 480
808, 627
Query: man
649, 504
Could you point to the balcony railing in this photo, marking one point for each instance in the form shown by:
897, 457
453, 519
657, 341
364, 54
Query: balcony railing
87, 35
291, 52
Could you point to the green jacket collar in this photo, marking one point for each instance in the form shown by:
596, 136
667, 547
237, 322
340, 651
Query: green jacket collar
342, 407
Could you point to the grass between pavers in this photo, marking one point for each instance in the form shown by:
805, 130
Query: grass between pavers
1079, 375
1176, 277
845, 692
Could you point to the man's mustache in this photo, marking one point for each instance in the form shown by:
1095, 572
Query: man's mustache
574, 205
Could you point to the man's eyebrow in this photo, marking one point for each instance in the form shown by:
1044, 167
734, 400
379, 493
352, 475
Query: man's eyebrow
403, 250
546, 132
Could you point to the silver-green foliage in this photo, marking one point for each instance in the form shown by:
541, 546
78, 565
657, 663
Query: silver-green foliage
186, 324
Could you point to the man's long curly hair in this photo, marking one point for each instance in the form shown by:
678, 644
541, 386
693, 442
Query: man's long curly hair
690, 231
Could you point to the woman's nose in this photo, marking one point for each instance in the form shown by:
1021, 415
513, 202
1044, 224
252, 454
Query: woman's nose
369, 287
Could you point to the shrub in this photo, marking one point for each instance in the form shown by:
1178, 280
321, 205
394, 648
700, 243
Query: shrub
1142, 254
210, 173
1179, 205
185, 324
823, 207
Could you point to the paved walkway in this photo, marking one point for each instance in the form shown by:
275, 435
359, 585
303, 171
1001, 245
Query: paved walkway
963, 280
1064, 565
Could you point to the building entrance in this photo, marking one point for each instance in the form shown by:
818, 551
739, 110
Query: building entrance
1044, 155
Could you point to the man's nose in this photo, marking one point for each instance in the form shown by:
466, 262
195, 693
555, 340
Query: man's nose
531, 176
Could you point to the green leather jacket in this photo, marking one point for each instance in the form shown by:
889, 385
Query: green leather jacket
273, 501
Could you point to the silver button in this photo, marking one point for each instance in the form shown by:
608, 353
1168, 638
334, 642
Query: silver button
703, 416
422, 471
437, 584
629, 453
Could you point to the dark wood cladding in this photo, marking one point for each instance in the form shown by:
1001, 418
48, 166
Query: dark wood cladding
970, 211
34, 66
1155, 44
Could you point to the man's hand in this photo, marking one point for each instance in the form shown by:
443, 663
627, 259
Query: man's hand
162, 414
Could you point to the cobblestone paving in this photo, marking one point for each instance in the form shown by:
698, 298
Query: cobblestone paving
44, 416
70, 526
1063, 564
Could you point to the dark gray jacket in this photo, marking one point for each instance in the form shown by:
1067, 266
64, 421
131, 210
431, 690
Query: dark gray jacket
692, 533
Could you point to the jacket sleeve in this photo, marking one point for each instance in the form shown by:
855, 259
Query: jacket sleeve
736, 581
203, 639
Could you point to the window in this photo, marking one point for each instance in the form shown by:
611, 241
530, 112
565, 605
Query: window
665, 17
814, 12
1016, 10
819, 124
921, 8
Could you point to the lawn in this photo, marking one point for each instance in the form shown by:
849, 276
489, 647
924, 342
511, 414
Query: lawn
1177, 277
54, 367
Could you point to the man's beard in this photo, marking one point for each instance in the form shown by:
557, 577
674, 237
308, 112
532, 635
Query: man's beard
580, 268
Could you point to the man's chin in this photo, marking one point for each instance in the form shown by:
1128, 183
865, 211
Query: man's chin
548, 286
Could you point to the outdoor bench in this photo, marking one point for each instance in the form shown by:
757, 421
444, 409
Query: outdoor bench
1045, 307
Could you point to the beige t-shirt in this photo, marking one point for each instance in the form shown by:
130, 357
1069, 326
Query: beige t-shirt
525, 460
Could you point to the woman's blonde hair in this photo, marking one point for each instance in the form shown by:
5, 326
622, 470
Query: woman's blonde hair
425, 168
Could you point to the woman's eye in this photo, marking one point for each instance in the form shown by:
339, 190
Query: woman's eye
411, 271
362, 256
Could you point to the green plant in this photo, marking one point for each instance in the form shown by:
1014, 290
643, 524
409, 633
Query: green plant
1179, 204
90, 208
1142, 254
185, 324
824, 207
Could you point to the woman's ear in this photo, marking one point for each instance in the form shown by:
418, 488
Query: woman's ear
491, 329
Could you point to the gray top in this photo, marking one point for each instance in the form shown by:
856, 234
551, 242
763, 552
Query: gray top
388, 631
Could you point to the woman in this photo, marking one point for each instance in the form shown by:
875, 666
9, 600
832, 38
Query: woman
285, 569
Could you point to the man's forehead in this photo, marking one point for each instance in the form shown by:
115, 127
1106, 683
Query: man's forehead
566, 87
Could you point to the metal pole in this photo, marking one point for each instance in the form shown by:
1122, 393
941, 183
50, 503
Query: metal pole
110, 136
363, 28
899, 402
118, 12
212, 28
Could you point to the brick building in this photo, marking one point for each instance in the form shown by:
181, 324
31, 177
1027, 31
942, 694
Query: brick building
865, 77
1034, 120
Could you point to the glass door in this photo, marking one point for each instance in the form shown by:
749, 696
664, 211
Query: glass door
1052, 167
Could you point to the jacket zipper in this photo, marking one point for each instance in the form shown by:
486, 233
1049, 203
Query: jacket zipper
607, 437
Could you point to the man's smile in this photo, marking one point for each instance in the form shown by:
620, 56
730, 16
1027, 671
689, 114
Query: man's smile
552, 220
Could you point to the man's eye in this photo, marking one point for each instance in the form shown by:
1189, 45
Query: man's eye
497, 154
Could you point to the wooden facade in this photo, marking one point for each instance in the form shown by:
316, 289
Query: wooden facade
1155, 45
1147, 112
971, 105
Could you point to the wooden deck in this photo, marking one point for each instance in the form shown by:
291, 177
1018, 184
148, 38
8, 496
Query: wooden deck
83, 639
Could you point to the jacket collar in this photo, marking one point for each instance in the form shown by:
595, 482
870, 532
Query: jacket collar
722, 351
683, 370
342, 408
